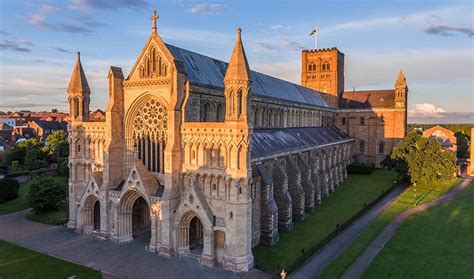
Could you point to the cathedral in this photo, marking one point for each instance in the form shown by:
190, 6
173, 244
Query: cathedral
208, 159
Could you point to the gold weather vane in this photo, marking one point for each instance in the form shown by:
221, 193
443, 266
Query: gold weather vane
153, 18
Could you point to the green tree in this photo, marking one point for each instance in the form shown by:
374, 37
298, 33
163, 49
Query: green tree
425, 159
58, 145
46, 194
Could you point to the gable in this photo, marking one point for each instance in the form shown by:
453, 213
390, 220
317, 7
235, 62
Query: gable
154, 61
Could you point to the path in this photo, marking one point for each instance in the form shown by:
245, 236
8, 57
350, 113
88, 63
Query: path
369, 254
316, 264
114, 260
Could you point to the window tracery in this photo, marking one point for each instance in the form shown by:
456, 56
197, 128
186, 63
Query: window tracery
150, 126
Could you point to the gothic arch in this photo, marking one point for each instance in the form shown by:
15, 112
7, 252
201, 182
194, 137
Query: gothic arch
126, 212
146, 126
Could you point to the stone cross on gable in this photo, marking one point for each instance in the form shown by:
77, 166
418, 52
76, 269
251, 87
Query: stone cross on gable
153, 18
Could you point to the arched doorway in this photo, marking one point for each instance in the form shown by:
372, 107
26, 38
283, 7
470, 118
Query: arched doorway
90, 215
190, 235
96, 216
140, 217
134, 218
195, 236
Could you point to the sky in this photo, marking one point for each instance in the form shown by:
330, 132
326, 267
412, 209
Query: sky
431, 41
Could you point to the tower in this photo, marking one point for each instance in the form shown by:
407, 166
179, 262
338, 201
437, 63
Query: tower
237, 83
401, 91
78, 93
323, 70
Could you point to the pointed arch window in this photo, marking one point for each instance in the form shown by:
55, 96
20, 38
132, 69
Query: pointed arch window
362, 146
381, 147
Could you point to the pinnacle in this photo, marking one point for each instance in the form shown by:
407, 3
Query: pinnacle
401, 81
78, 82
238, 68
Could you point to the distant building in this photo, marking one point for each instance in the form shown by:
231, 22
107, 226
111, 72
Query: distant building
44, 128
21, 133
445, 137
376, 119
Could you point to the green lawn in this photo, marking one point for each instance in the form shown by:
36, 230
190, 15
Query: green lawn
436, 243
56, 218
17, 204
18, 262
424, 193
340, 206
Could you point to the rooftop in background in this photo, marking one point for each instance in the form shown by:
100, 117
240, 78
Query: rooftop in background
209, 72
368, 99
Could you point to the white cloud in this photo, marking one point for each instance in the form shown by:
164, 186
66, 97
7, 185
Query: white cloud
206, 9
427, 110
420, 20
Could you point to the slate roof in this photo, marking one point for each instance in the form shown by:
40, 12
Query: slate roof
209, 72
368, 99
271, 141
51, 125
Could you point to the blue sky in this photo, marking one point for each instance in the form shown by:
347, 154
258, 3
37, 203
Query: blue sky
432, 41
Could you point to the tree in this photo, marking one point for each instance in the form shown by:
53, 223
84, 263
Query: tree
425, 159
46, 194
8, 189
57, 143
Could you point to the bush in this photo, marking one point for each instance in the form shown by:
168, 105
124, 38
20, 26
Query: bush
63, 168
15, 166
360, 169
46, 194
8, 189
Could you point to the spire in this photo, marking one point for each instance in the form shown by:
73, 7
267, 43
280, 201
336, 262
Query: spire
401, 81
78, 82
238, 68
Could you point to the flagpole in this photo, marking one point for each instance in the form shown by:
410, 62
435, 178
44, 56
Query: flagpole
316, 40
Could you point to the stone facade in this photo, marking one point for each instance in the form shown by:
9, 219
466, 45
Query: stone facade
376, 119
207, 162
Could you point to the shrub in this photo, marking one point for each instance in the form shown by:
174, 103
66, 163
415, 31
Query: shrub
360, 169
15, 166
63, 168
8, 189
46, 194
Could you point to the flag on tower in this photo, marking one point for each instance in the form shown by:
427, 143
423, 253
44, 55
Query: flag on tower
313, 32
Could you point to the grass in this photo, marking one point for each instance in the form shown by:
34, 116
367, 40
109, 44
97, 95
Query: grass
20, 203
56, 218
19, 262
339, 207
436, 243
424, 194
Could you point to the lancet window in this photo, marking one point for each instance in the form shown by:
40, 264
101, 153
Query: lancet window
153, 65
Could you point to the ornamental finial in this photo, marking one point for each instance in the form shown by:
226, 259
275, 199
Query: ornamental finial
153, 18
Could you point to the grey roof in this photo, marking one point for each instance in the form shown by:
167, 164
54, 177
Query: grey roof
206, 71
51, 125
272, 141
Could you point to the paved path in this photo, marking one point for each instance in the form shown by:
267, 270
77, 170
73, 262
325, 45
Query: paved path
369, 254
316, 264
114, 260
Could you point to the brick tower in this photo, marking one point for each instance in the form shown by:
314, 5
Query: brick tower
323, 70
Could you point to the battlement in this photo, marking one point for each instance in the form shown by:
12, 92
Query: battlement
321, 50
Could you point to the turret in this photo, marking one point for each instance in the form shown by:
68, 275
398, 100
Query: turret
78, 93
401, 91
238, 84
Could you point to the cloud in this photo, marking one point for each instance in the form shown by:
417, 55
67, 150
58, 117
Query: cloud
38, 19
16, 45
206, 9
279, 27
430, 113
427, 111
447, 30
424, 20
60, 49
4, 33
112, 5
